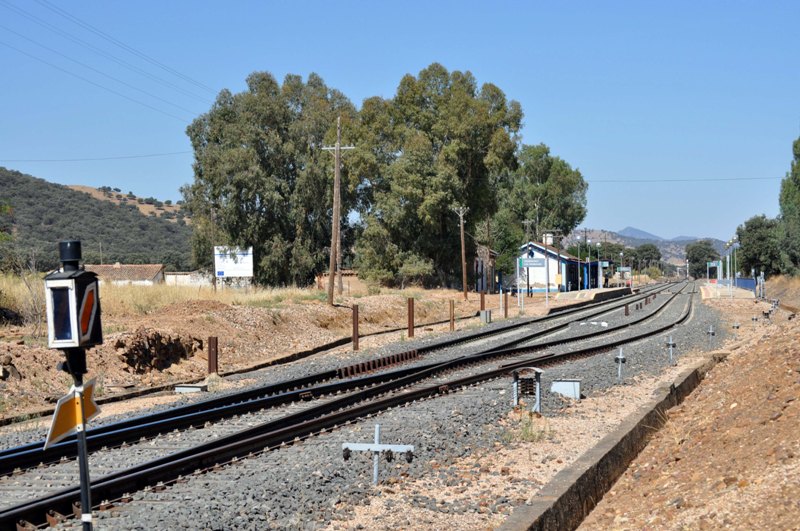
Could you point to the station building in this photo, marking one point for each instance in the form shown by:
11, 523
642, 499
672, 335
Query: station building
540, 264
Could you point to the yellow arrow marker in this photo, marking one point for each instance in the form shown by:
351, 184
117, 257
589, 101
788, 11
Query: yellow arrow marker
67, 418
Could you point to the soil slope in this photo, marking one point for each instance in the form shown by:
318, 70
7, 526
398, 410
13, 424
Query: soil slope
729, 456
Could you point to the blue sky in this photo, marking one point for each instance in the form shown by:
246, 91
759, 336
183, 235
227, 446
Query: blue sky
625, 91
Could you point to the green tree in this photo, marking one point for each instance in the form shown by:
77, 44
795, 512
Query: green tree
789, 229
543, 189
261, 178
699, 253
647, 253
759, 245
440, 141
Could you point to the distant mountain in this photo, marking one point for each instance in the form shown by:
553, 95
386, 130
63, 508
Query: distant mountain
631, 232
42, 213
672, 251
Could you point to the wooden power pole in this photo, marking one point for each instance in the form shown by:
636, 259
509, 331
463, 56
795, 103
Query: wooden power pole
461, 212
337, 199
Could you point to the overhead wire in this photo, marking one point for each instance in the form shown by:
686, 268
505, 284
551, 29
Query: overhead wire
93, 69
123, 46
121, 157
21, 12
684, 180
87, 80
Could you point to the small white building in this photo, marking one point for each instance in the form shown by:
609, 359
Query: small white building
188, 278
539, 264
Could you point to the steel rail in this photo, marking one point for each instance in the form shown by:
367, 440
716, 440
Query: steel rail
288, 429
195, 415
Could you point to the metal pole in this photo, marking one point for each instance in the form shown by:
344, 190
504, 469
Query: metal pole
452, 316
547, 276
213, 355
376, 455
515, 390
355, 327
410, 317
83, 460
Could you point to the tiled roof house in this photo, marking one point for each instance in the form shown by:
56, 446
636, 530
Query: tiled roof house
140, 274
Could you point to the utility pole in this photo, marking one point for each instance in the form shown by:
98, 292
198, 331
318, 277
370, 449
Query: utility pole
337, 199
461, 212
527, 223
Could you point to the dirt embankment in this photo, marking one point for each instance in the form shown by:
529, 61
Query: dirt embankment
729, 456
787, 289
168, 345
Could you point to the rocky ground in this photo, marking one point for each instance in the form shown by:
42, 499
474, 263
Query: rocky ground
729, 456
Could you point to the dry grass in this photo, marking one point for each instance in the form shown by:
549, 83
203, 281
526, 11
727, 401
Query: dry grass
125, 301
13, 291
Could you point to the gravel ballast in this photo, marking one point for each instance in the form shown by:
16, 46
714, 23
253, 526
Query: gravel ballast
309, 486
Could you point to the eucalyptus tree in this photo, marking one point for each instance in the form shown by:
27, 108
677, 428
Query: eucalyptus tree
261, 178
440, 141
545, 190
759, 245
699, 253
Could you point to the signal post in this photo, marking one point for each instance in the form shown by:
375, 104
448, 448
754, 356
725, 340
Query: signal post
73, 324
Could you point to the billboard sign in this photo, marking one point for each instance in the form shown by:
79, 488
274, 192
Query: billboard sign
230, 262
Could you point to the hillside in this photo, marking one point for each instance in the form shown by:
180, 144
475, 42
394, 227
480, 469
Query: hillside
147, 206
672, 251
43, 213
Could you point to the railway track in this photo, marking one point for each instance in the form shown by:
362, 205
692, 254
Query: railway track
343, 401
199, 414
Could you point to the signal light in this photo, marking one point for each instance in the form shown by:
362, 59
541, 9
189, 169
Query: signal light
73, 302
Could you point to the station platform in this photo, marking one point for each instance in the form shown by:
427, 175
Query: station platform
597, 294
721, 291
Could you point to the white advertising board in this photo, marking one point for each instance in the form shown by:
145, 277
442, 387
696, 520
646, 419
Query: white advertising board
232, 262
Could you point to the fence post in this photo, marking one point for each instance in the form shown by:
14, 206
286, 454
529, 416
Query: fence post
452, 316
483, 300
505, 305
410, 317
355, 327
212, 355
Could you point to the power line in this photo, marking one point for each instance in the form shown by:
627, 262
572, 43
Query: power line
121, 157
124, 46
710, 179
98, 71
120, 94
21, 12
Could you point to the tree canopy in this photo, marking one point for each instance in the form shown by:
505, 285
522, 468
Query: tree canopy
789, 226
262, 179
698, 254
440, 141
544, 190
760, 246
